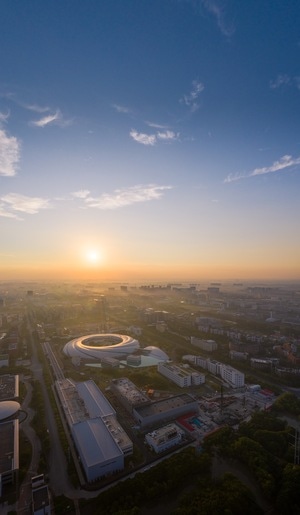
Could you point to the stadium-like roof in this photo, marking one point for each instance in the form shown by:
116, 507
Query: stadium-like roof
97, 346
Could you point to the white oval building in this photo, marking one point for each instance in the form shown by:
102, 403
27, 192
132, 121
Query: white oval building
97, 346
156, 352
8, 409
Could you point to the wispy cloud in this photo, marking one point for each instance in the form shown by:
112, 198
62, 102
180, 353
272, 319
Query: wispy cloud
81, 194
9, 154
191, 99
24, 204
125, 197
51, 119
167, 135
281, 80
35, 108
152, 139
4, 117
157, 125
121, 109
144, 139
215, 8
7, 214
283, 163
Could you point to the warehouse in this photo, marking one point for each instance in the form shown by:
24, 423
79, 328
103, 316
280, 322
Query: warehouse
165, 409
100, 441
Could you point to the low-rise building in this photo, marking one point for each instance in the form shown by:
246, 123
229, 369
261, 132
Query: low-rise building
182, 375
165, 437
165, 409
206, 345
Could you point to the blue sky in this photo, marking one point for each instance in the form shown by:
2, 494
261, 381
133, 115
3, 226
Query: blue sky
162, 137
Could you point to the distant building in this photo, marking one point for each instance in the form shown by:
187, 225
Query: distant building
4, 360
206, 345
239, 356
234, 377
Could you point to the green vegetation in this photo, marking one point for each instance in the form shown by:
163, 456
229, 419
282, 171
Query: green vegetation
153, 485
287, 402
39, 423
227, 496
263, 446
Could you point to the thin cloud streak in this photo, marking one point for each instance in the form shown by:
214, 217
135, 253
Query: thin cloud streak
54, 119
25, 204
121, 109
9, 154
214, 8
125, 197
6, 214
191, 99
284, 162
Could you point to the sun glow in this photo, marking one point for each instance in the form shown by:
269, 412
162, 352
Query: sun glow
92, 257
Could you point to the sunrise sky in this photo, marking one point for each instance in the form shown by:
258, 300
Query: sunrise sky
150, 140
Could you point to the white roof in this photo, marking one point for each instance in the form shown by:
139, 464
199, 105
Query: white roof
157, 353
8, 408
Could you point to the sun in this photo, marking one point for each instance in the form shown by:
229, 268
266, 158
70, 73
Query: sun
92, 257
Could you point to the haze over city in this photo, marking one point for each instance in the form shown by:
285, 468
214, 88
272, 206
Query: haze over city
150, 140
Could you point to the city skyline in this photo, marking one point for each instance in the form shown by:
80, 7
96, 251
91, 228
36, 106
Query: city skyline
150, 140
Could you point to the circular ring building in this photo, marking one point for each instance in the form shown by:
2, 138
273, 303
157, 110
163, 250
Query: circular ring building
97, 346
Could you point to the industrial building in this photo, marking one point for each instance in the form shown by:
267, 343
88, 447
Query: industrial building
100, 441
128, 394
165, 409
182, 375
165, 437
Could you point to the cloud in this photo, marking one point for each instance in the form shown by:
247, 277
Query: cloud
4, 117
24, 204
283, 163
6, 214
152, 139
214, 8
144, 139
9, 154
35, 108
281, 80
167, 135
126, 196
191, 99
81, 194
54, 119
121, 109
157, 125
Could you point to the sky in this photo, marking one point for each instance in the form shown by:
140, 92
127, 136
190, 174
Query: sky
150, 140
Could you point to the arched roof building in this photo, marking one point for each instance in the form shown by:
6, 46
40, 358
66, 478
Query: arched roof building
97, 346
